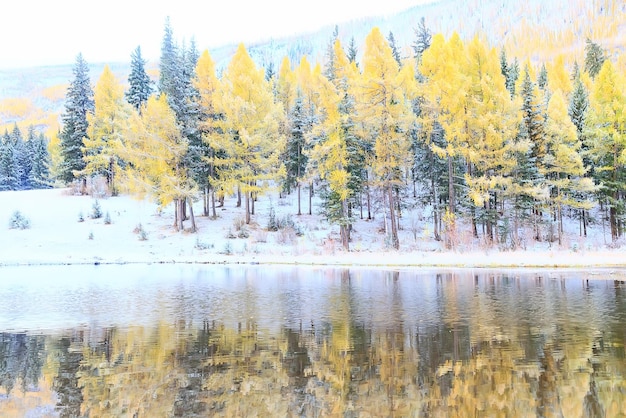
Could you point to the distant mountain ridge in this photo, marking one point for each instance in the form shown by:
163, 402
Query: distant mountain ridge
536, 30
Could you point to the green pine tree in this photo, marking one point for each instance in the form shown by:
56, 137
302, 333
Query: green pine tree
594, 58
79, 103
140, 85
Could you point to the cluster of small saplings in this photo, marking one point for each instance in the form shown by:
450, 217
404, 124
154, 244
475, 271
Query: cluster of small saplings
18, 221
96, 213
241, 230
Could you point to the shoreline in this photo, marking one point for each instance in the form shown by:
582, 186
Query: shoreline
62, 232
561, 260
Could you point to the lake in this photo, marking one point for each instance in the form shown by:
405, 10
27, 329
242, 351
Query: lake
196, 341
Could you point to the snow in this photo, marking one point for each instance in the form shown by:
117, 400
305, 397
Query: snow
56, 237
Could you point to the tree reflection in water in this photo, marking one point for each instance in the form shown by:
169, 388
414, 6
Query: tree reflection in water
338, 343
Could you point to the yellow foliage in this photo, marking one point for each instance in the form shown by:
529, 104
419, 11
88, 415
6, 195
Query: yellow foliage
12, 108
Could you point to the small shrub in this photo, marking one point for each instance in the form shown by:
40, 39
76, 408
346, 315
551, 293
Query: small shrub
230, 234
96, 210
228, 249
18, 221
107, 219
243, 233
272, 224
239, 223
90, 236
81, 218
203, 245
141, 233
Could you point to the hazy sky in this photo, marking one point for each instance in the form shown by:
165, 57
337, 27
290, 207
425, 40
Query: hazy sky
48, 32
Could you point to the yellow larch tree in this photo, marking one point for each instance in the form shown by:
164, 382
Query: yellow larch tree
250, 136
286, 85
384, 112
445, 94
491, 124
562, 165
107, 124
207, 84
154, 150
330, 154
308, 95
606, 140
558, 77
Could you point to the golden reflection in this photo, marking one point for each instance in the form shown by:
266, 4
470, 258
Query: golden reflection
486, 356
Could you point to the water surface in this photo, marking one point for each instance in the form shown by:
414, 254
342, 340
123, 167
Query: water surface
167, 340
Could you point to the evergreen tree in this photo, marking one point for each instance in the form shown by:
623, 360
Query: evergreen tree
295, 157
423, 39
510, 71
532, 116
177, 67
352, 51
532, 129
594, 58
39, 177
578, 106
79, 103
140, 85
9, 174
171, 81
270, 72
330, 68
542, 78
22, 159
394, 48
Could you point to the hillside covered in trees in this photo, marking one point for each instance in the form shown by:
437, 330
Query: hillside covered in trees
502, 146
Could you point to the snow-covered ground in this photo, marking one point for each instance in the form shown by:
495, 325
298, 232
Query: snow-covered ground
56, 236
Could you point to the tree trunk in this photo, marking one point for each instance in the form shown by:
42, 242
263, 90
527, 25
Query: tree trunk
392, 218
247, 199
560, 216
213, 204
451, 197
193, 219
205, 201
238, 197
311, 197
344, 228
369, 198
299, 202
433, 196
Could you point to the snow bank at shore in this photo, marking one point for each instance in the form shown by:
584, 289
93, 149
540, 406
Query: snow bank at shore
56, 236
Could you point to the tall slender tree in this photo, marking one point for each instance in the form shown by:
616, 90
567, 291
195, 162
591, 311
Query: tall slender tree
79, 103
384, 111
107, 125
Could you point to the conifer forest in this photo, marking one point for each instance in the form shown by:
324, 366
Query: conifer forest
501, 147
